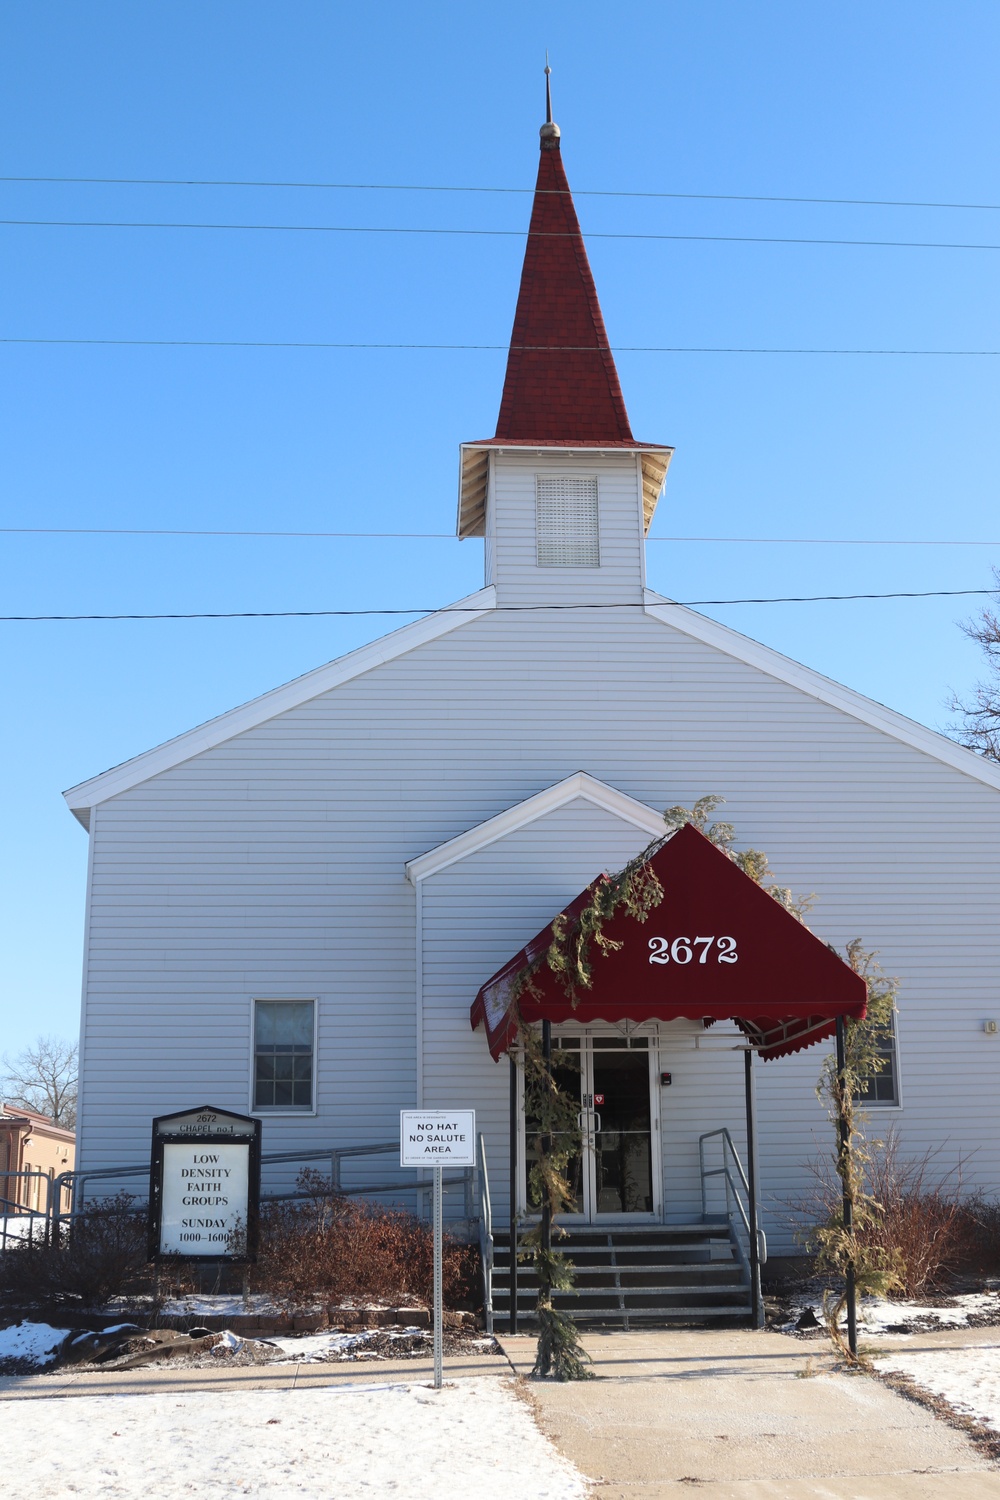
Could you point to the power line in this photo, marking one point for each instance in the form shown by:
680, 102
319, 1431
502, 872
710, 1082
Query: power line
724, 239
489, 348
418, 187
303, 614
449, 536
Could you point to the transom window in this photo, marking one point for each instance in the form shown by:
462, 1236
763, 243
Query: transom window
283, 1035
567, 526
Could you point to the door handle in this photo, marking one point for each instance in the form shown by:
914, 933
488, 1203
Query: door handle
597, 1121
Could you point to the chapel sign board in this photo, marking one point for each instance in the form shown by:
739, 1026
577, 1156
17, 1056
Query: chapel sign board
204, 1185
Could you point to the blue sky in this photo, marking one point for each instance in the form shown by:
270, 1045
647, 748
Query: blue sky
854, 101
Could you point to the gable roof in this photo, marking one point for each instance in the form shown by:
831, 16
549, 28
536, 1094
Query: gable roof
182, 747
580, 785
896, 725
174, 752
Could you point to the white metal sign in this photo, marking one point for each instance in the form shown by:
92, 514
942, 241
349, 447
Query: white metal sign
437, 1138
205, 1195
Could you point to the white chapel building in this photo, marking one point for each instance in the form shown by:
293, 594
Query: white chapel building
292, 909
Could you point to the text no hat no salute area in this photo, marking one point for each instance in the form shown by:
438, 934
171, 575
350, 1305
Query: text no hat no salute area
292, 908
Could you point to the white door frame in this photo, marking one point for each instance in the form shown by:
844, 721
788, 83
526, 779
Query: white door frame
587, 1035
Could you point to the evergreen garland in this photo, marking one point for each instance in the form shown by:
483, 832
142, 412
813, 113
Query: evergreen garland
878, 1270
575, 944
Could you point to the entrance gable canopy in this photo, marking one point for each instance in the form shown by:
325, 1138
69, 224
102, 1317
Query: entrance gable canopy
717, 947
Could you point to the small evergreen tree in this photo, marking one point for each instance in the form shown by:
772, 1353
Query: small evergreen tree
877, 1269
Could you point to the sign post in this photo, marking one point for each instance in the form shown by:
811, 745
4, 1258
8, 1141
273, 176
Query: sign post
437, 1138
204, 1185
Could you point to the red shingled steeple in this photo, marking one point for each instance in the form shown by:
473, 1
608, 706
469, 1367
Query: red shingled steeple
561, 384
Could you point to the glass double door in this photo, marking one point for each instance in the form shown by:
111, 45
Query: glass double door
612, 1171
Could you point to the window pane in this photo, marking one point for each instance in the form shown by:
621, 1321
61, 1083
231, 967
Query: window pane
284, 1023
883, 1087
283, 1054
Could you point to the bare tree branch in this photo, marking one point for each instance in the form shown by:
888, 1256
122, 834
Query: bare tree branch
43, 1078
978, 726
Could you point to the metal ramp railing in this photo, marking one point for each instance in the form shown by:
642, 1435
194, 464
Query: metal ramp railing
47, 1223
749, 1241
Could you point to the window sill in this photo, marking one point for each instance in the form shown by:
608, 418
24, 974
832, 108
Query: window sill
284, 1114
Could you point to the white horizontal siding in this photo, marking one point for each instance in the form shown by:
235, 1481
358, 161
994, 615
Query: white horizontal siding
511, 555
274, 864
476, 914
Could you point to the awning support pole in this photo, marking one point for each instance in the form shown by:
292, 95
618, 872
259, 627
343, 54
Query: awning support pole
546, 1144
848, 1201
513, 1192
756, 1300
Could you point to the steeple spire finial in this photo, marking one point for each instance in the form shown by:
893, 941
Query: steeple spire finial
549, 131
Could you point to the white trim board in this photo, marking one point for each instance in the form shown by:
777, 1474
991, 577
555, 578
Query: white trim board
579, 785
897, 725
279, 700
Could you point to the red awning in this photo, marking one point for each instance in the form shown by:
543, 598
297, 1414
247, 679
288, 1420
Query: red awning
717, 947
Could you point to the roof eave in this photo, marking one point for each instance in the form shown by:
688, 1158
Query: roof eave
473, 473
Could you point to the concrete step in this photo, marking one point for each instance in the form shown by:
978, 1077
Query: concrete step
669, 1273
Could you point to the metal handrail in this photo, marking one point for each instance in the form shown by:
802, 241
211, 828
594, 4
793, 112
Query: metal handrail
74, 1183
14, 1208
486, 1235
752, 1256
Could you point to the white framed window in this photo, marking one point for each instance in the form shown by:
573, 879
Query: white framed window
883, 1087
567, 522
284, 1056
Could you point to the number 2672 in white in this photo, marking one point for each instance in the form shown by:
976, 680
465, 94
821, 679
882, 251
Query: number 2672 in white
683, 950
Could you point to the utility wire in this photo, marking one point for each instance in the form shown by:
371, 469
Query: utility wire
465, 609
727, 239
486, 348
417, 187
449, 536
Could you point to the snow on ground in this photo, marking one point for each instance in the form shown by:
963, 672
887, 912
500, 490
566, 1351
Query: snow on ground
35, 1341
876, 1315
230, 1306
968, 1379
325, 1346
224, 1307
353, 1441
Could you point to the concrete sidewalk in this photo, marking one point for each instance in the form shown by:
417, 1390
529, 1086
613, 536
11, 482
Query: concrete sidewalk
728, 1415
156, 1379
737, 1415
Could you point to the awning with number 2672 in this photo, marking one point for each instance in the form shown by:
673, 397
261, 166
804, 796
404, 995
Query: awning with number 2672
717, 947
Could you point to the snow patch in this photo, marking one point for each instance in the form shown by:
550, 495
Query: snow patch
37, 1342
311, 1348
968, 1379
877, 1316
474, 1437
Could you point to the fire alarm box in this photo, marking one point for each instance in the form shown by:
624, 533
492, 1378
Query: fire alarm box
666, 1079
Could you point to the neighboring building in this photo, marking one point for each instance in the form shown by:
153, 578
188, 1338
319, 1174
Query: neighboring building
291, 908
31, 1149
